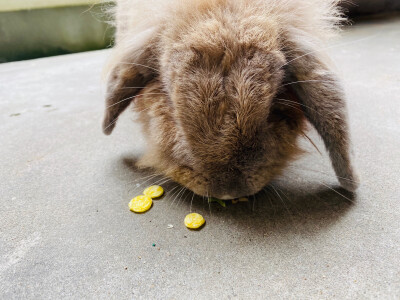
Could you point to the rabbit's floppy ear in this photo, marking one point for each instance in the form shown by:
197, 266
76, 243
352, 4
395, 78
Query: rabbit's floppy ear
323, 99
129, 70
125, 82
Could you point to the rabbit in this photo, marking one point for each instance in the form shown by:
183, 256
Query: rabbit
225, 88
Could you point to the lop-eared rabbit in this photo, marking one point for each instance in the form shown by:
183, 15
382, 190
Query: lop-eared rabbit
224, 88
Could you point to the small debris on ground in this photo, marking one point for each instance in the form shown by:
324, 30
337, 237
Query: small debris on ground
170, 226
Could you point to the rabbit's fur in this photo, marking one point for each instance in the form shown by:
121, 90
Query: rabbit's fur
223, 88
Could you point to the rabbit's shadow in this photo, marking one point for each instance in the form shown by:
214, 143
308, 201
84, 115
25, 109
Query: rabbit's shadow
278, 207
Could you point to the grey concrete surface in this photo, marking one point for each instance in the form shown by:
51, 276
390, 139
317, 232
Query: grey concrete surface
66, 231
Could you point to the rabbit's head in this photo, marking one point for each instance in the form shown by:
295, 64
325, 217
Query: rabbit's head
216, 94
225, 152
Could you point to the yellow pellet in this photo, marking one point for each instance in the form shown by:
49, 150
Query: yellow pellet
194, 221
243, 199
154, 191
140, 204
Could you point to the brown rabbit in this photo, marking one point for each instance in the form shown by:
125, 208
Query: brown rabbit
224, 87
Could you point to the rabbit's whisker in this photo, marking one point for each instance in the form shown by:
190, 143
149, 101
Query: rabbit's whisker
283, 202
140, 111
267, 195
164, 181
129, 98
325, 48
331, 175
209, 204
191, 203
132, 87
184, 199
140, 65
304, 81
177, 195
112, 123
173, 189
311, 141
297, 103
142, 183
144, 177
180, 196
352, 201
286, 197
177, 191
289, 105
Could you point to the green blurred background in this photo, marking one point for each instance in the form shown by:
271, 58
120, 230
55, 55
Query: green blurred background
37, 28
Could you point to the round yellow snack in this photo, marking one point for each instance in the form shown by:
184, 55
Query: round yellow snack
140, 204
154, 191
194, 221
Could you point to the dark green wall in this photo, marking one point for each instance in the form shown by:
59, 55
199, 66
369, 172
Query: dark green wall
363, 7
44, 32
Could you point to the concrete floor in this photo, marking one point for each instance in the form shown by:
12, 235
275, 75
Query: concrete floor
66, 231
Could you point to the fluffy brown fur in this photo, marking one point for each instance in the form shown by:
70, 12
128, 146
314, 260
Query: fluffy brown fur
211, 73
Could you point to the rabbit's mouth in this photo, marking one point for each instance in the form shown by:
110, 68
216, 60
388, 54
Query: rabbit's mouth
227, 197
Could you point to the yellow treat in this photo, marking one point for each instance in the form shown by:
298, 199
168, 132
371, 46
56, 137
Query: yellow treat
154, 191
243, 199
194, 221
140, 204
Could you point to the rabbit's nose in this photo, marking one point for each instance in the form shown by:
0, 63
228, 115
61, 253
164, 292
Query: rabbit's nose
226, 192
229, 185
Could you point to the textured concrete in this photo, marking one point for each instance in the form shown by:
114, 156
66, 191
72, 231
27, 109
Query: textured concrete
66, 231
